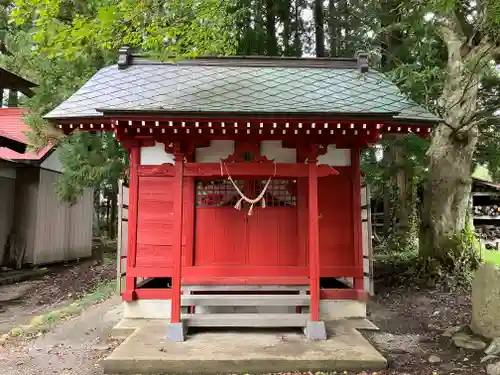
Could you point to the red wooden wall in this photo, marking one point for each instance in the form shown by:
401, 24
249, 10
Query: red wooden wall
225, 236
336, 234
273, 236
155, 221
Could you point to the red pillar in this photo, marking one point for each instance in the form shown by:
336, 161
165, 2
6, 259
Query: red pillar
357, 220
177, 240
134, 161
313, 239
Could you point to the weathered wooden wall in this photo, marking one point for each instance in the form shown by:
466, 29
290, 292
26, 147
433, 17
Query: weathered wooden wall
62, 231
25, 214
7, 193
80, 233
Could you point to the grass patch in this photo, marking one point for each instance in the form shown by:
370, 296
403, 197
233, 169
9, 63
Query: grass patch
43, 323
491, 256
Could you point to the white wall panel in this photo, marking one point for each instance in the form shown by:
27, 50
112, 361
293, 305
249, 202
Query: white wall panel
156, 155
218, 149
274, 150
338, 157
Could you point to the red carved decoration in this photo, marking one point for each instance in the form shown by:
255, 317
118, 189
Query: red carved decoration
242, 148
255, 169
164, 170
321, 149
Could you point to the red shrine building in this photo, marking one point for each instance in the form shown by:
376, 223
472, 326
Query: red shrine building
246, 203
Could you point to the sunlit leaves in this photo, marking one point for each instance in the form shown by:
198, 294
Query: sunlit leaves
192, 27
64, 42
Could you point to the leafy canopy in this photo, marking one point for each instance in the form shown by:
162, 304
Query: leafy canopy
60, 44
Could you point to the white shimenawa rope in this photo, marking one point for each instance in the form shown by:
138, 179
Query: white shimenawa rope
243, 197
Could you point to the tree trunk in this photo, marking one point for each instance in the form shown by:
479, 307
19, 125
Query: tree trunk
401, 205
286, 19
97, 215
319, 28
272, 43
402, 181
387, 211
333, 29
13, 100
298, 22
447, 191
448, 187
114, 210
346, 26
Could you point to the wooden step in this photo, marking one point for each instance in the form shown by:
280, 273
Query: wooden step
245, 300
243, 288
245, 320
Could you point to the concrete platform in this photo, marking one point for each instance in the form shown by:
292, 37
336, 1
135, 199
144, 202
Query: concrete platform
146, 351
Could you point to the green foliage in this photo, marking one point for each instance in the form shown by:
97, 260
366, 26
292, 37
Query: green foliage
454, 265
451, 268
60, 44
90, 160
191, 27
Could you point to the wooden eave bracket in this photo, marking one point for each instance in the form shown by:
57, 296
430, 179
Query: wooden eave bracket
290, 170
325, 170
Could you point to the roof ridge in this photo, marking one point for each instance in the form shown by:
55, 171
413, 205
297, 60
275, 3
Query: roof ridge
359, 61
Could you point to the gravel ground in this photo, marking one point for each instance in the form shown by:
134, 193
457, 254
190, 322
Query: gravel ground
74, 347
411, 324
61, 285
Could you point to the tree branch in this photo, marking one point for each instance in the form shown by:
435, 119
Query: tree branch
461, 23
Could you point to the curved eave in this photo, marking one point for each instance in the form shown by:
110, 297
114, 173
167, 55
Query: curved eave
212, 125
107, 115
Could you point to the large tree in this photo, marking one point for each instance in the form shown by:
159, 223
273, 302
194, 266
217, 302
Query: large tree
439, 53
471, 34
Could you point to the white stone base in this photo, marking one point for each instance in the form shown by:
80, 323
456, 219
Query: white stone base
341, 309
148, 309
160, 309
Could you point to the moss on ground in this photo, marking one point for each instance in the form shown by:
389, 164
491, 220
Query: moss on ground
43, 323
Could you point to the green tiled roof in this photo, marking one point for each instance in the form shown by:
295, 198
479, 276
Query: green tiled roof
239, 88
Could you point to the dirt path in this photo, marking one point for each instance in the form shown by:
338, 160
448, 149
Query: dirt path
61, 285
74, 347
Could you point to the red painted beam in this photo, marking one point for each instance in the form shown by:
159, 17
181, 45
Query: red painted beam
149, 293
240, 169
165, 170
257, 169
130, 281
243, 272
264, 280
177, 240
356, 215
314, 266
150, 272
189, 220
278, 273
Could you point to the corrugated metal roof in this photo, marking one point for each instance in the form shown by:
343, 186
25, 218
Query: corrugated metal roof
12, 126
240, 86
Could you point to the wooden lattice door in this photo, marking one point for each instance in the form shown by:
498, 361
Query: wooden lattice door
220, 229
227, 236
272, 231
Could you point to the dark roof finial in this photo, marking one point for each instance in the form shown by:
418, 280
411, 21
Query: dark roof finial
124, 57
362, 61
